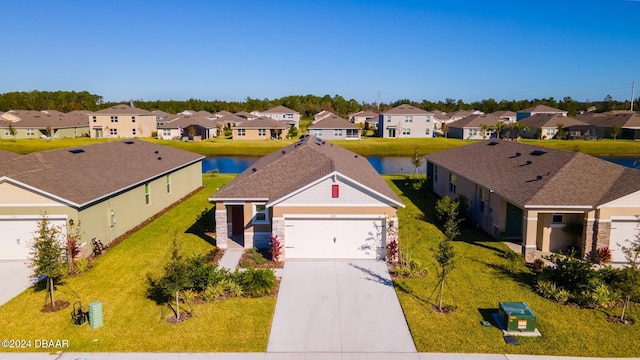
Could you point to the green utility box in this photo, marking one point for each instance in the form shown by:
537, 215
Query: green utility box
516, 316
95, 314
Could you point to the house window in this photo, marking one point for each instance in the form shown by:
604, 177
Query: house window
335, 191
406, 131
317, 132
435, 173
260, 214
262, 132
427, 131
428, 119
166, 132
557, 219
473, 132
551, 132
114, 119
94, 119
147, 194
241, 132
289, 116
388, 118
337, 132
352, 133
408, 118
133, 131
31, 132
113, 131
452, 183
169, 184
133, 119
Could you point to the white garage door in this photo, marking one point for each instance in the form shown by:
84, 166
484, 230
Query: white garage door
622, 231
334, 238
16, 236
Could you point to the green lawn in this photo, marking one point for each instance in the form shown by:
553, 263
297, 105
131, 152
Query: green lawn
369, 146
476, 285
131, 321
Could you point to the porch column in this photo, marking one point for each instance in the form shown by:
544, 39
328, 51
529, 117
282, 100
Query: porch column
221, 228
529, 234
278, 230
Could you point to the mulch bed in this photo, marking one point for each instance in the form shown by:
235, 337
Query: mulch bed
248, 261
444, 310
616, 320
184, 316
59, 305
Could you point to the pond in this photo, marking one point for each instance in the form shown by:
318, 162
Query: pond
383, 164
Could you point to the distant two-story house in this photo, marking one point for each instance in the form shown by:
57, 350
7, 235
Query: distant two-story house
405, 121
334, 127
282, 114
368, 117
122, 121
507, 116
539, 109
475, 127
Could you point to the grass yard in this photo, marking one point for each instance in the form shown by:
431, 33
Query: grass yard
477, 283
368, 146
131, 321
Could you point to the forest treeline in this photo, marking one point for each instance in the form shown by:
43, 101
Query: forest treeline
306, 105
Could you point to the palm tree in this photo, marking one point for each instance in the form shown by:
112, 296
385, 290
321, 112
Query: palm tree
500, 127
518, 127
484, 129
561, 131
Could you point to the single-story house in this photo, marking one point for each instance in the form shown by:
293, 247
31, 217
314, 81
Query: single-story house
246, 115
461, 114
321, 115
106, 189
192, 127
282, 114
33, 124
545, 126
547, 199
334, 127
368, 117
628, 124
319, 199
476, 127
440, 120
260, 129
539, 109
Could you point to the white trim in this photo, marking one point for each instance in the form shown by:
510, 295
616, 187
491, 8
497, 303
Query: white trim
33, 217
238, 200
559, 207
529, 246
353, 182
332, 216
32, 205
379, 204
624, 218
530, 218
255, 212
233, 203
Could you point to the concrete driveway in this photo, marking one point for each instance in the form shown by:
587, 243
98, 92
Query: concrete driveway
14, 278
338, 306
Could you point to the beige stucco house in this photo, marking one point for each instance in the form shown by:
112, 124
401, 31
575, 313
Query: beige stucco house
319, 199
282, 114
122, 121
33, 124
260, 129
108, 189
532, 195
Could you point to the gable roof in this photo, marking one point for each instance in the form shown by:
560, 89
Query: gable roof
406, 109
505, 113
42, 119
440, 115
475, 121
244, 114
623, 120
550, 120
79, 178
333, 122
184, 121
122, 109
554, 178
298, 165
280, 109
7, 155
541, 109
261, 123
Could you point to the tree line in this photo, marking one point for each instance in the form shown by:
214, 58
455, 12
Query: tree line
306, 105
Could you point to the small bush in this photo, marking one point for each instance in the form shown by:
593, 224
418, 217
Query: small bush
562, 296
258, 282
275, 248
213, 292
514, 260
188, 296
202, 273
235, 289
603, 255
547, 289
256, 258
410, 269
82, 265
537, 266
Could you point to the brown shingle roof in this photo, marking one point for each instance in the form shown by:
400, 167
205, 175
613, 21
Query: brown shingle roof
541, 109
123, 109
297, 165
98, 171
623, 120
333, 122
405, 109
475, 121
261, 123
280, 109
550, 120
7, 155
53, 118
184, 121
555, 178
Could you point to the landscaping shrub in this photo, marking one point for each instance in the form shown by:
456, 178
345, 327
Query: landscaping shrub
275, 248
514, 260
235, 289
442, 209
188, 296
603, 255
258, 282
212, 292
537, 266
82, 265
202, 273
255, 258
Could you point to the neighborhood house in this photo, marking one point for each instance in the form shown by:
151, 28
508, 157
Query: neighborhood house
549, 200
320, 200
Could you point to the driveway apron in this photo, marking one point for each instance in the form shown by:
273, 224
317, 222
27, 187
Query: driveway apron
338, 306
14, 278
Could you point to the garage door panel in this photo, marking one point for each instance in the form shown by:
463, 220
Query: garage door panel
623, 232
17, 237
334, 238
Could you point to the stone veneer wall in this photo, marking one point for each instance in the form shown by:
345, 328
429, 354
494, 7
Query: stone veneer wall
277, 229
221, 229
596, 235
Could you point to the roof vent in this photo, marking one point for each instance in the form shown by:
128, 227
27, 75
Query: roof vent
539, 177
155, 152
518, 154
253, 169
159, 157
356, 156
76, 151
283, 152
538, 152
493, 143
129, 142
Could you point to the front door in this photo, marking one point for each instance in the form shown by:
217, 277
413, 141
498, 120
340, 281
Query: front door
514, 222
98, 132
237, 220
391, 132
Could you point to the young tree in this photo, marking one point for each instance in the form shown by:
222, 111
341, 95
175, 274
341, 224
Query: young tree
176, 276
561, 131
500, 127
630, 279
416, 161
47, 254
444, 252
12, 131
615, 131
484, 129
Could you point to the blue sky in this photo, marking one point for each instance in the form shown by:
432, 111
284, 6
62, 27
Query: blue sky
234, 49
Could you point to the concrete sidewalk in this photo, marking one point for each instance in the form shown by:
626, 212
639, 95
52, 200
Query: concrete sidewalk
14, 279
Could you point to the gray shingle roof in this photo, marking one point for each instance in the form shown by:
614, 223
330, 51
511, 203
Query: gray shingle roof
261, 123
406, 109
297, 165
184, 121
541, 109
42, 119
623, 120
333, 122
123, 109
550, 120
555, 178
99, 170
475, 121
280, 109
